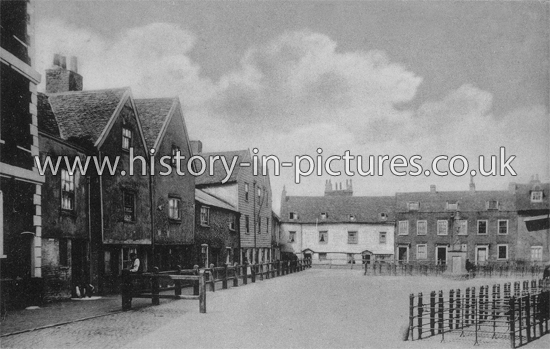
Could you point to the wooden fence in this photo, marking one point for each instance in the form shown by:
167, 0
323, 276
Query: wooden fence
517, 312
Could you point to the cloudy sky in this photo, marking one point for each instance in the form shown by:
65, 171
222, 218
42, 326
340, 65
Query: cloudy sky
375, 78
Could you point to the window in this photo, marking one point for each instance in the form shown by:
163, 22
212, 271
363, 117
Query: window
442, 227
383, 216
293, 215
323, 237
267, 225
129, 204
126, 138
259, 225
482, 227
403, 227
492, 205
536, 196
352, 237
452, 206
421, 251
291, 236
536, 253
175, 151
502, 251
413, 206
352, 218
462, 227
421, 227
232, 224
324, 215
247, 224
322, 256
174, 208
205, 215
246, 191
502, 226
67, 190
126, 260
63, 252
382, 237
259, 193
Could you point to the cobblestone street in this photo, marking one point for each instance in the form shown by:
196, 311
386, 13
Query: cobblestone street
313, 309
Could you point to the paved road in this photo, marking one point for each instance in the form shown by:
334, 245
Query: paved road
313, 309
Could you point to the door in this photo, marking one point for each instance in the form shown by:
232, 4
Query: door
457, 261
80, 268
441, 255
403, 254
481, 255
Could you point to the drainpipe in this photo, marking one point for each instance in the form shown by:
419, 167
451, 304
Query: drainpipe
151, 195
254, 252
90, 268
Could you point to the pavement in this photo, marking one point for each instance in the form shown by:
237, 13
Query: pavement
317, 308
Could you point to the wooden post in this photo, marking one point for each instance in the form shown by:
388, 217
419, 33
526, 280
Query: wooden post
474, 305
177, 284
235, 275
458, 308
224, 280
420, 311
196, 282
467, 307
512, 321
440, 314
411, 315
126, 290
202, 293
155, 287
245, 273
451, 308
261, 269
432, 313
520, 319
253, 270
278, 268
528, 315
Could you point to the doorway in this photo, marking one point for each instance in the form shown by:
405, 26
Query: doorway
403, 254
481, 254
441, 255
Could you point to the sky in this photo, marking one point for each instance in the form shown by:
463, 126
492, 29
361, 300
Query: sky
288, 77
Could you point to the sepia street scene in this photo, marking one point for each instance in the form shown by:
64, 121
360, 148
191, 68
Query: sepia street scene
274, 174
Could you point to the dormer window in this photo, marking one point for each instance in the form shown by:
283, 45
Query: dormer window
293, 215
492, 205
175, 151
352, 218
536, 196
452, 206
324, 215
383, 216
413, 205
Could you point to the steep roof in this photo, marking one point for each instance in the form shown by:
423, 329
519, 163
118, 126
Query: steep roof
523, 197
211, 200
84, 114
365, 209
467, 200
46, 118
219, 171
153, 113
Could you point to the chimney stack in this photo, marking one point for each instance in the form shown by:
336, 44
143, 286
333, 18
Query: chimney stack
432, 188
472, 184
196, 147
61, 79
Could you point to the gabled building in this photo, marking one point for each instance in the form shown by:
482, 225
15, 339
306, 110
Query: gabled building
105, 125
338, 227
20, 183
217, 229
249, 193
173, 194
533, 208
483, 224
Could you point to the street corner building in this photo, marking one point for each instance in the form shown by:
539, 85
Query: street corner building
20, 183
338, 228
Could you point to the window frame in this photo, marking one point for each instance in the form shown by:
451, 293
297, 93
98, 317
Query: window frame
498, 252
67, 178
413, 206
132, 194
324, 215
204, 211
425, 246
174, 150
460, 221
425, 226
323, 233
129, 137
246, 224
292, 215
486, 226
439, 232
538, 193
246, 191
452, 206
353, 237
382, 238
177, 200
406, 224
496, 206
498, 226
536, 248
292, 236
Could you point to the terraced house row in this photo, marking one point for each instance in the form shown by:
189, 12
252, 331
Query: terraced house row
420, 227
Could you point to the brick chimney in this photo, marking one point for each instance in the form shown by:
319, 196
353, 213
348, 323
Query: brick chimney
472, 184
61, 79
196, 147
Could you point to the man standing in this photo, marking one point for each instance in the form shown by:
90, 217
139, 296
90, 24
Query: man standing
135, 266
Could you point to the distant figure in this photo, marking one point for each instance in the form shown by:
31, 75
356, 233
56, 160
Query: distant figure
546, 273
469, 265
136, 266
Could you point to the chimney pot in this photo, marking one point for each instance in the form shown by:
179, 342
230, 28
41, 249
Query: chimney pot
432, 188
63, 61
57, 60
73, 64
